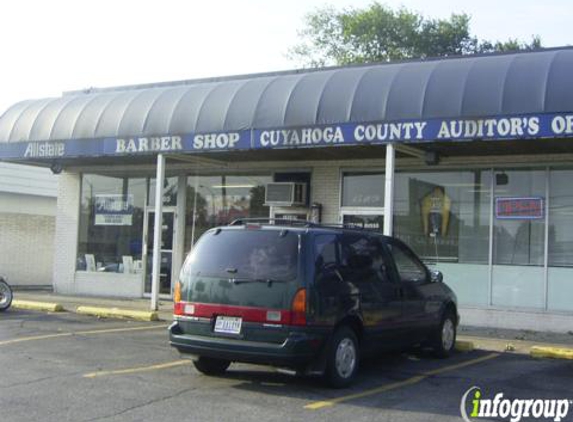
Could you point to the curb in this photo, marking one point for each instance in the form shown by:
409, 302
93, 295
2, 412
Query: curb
37, 306
118, 313
551, 352
464, 346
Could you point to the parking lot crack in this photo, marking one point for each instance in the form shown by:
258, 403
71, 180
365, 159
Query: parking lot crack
142, 405
21, 384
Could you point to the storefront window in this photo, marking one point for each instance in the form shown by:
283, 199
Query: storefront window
218, 200
445, 217
518, 238
363, 190
111, 224
560, 259
363, 200
169, 192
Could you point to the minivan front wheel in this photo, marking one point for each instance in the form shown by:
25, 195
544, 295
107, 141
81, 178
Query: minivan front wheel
343, 358
211, 366
444, 339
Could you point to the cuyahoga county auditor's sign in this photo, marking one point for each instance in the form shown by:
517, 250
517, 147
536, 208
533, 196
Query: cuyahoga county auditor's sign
406, 131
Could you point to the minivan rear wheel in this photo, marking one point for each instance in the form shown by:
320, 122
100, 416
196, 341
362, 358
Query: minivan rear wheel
343, 358
5, 295
211, 366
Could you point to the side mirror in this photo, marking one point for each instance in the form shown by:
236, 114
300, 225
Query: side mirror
436, 276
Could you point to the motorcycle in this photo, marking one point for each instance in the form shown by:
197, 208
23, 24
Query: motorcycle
5, 295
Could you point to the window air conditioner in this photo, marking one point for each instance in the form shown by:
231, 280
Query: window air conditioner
285, 194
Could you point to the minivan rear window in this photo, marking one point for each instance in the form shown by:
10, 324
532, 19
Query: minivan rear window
247, 254
247, 267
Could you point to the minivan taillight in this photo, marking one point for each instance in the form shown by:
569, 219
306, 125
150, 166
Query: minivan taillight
178, 308
177, 292
298, 308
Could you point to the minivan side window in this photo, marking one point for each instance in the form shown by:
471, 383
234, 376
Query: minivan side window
326, 259
363, 257
409, 268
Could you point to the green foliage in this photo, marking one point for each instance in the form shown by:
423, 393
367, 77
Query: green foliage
510, 45
379, 33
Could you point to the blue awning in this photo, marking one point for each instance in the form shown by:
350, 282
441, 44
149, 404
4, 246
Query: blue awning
473, 87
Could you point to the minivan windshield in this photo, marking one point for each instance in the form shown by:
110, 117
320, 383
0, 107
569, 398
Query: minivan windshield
246, 267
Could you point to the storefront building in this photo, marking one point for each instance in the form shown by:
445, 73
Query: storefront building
469, 160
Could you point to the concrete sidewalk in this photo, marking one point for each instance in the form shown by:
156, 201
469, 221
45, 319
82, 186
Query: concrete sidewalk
537, 344
72, 303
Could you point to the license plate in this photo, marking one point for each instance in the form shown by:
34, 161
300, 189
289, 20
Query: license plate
228, 325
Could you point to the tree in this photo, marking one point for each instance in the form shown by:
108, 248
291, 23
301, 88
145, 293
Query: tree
379, 33
510, 45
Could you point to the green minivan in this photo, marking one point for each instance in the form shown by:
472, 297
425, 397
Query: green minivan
308, 297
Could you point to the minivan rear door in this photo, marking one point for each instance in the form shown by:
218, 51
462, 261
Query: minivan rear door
242, 281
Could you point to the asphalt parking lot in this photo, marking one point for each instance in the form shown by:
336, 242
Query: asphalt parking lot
68, 367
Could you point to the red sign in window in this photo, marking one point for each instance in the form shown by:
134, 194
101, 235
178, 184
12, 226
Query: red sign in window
519, 208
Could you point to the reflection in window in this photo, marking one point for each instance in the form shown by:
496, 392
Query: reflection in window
519, 240
362, 259
409, 269
169, 192
560, 219
560, 259
254, 255
363, 190
218, 200
444, 216
111, 224
325, 252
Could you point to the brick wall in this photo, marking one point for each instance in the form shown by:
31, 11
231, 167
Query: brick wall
326, 191
26, 249
66, 238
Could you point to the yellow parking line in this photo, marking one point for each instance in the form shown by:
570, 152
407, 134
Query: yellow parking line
320, 404
47, 336
327, 403
139, 369
83, 333
461, 365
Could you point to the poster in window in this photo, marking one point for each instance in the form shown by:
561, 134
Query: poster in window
530, 208
435, 207
113, 210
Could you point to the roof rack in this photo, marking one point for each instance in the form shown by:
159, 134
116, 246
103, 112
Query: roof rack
276, 221
301, 223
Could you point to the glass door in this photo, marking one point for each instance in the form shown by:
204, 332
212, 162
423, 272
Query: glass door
167, 238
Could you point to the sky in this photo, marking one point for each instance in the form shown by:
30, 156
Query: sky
49, 47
